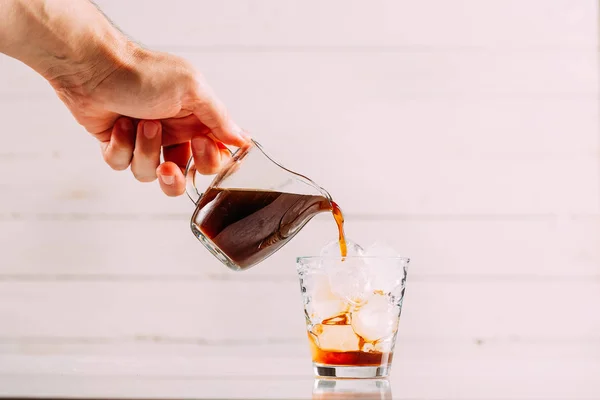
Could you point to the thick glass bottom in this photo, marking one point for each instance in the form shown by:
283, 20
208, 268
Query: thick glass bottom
354, 372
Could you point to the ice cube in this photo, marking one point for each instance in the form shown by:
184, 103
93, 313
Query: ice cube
333, 249
368, 347
375, 320
336, 337
323, 303
381, 346
384, 346
322, 310
385, 270
349, 280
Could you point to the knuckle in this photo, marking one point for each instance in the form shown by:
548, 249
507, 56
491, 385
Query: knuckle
117, 166
115, 163
142, 174
172, 194
120, 165
208, 169
144, 177
173, 191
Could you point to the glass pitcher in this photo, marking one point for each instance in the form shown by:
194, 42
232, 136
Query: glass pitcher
253, 207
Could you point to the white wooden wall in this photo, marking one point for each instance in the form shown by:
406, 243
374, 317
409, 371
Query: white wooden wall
467, 134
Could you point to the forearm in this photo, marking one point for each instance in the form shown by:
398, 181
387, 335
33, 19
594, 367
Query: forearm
63, 40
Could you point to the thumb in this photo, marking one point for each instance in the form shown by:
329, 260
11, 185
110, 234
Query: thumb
212, 113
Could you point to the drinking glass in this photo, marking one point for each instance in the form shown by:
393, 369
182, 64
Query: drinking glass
352, 307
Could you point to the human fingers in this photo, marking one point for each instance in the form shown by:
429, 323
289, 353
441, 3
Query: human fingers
212, 112
178, 154
146, 155
171, 179
170, 173
209, 156
180, 130
118, 150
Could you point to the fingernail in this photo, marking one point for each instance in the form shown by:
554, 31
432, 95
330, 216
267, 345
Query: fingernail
167, 179
126, 124
150, 129
198, 146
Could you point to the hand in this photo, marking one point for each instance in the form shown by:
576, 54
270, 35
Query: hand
141, 102
134, 101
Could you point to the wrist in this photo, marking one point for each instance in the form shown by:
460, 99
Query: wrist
86, 65
68, 52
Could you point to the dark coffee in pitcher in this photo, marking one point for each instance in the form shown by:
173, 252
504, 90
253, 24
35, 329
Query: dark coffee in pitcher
249, 225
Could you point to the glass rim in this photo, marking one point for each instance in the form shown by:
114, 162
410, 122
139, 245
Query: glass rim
310, 258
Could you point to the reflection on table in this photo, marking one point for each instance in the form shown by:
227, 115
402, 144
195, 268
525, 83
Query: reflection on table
359, 389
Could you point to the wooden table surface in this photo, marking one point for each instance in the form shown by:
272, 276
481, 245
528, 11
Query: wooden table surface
452, 370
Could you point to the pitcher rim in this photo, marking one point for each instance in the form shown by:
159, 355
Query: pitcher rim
324, 192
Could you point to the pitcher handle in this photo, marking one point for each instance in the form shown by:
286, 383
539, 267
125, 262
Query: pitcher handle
190, 180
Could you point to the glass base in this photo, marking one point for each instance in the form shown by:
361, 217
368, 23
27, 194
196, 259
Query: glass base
210, 246
354, 372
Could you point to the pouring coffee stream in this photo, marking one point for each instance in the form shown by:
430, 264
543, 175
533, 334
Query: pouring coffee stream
254, 206
339, 220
